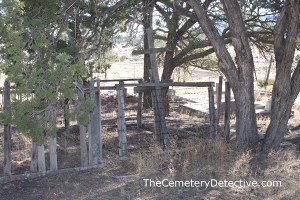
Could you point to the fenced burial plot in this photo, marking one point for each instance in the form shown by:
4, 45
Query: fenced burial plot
195, 99
127, 128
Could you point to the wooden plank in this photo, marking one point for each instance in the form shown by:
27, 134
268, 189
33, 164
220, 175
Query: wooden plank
150, 51
53, 153
151, 86
212, 113
41, 158
161, 130
227, 112
118, 80
7, 130
139, 117
99, 128
84, 157
219, 98
123, 149
83, 147
34, 157
94, 135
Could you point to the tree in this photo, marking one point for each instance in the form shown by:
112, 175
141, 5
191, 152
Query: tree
287, 82
42, 68
239, 73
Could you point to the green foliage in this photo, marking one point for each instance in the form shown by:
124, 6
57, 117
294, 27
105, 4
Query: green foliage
37, 59
262, 83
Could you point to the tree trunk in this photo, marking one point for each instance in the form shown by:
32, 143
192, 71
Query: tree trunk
239, 73
167, 73
246, 125
286, 87
147, 22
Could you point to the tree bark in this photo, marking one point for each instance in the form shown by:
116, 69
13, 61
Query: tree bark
238, 73
286, 87
147, 22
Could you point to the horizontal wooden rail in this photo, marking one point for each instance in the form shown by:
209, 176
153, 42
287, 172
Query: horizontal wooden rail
150, 86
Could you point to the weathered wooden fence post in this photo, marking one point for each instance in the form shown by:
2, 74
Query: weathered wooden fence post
53, 141
227, 111
212, 113
121, 122
53, 153
99, 127
139, 117
84, 157
94, 140
7, 130
219, 98
83, 147
161, 130
41, 158
34, 157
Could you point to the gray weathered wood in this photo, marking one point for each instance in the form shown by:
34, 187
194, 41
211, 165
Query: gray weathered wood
151, 86
53, 153
99, 127
139, 117
84, 157
123, 149
83, 147
219, 98
212, 113
7, 130
93, 135
161, 130
118, 80
227, 112
41, 158
34, 157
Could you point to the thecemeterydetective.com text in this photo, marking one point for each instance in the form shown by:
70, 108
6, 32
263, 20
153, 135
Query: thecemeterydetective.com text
166, 183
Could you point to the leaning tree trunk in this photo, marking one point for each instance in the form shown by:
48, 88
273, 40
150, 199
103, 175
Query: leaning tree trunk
166, 75
147, 22
169, 64
239, 73
286, 87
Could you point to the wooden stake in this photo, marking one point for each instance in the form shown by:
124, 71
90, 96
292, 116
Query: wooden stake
99, 127
53, 153
121, 122
158, 104
139, 117
212, 113
41, 158
227, 112
219, 98
83, 147
94, 134
34, 157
